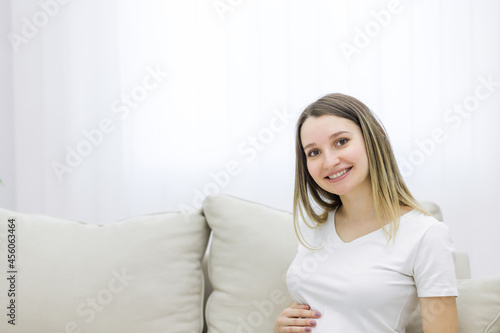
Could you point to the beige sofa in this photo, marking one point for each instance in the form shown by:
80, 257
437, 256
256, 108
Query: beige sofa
147, 273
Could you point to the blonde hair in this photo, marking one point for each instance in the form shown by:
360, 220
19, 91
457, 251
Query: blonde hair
389, 190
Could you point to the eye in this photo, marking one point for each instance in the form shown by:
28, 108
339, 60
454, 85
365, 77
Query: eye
312, 153
341, 142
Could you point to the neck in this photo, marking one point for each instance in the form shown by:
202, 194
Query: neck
359, 207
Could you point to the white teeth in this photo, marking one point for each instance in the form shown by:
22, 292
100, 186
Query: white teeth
338, 174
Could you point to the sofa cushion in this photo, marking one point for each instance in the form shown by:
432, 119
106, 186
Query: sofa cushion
141, 274
478, 306
251, 249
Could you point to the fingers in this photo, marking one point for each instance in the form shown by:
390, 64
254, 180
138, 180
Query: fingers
296, 318
301, 311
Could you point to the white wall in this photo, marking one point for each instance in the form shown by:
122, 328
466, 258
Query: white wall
228, 78
7, 165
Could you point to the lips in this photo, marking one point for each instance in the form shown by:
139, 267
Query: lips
338, 174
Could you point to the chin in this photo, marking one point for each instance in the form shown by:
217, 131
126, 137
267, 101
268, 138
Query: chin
335, 191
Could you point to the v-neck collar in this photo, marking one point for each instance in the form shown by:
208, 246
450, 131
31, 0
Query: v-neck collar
363, 238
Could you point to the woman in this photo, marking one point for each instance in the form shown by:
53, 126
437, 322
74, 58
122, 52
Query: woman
368, 252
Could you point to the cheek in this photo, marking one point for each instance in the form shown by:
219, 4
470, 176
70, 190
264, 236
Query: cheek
364, 162
356, 154
312, 168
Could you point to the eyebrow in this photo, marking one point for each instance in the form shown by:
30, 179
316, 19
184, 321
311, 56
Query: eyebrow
334, 135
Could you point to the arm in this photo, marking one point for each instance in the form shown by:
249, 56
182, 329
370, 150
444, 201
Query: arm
434, 274
296, 318
439, 314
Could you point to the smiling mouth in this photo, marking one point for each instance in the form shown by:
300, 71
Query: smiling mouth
338, 174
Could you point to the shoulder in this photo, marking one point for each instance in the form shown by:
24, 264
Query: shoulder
417, 225
420, 233
425, 237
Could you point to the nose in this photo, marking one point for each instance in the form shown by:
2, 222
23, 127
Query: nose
331, 159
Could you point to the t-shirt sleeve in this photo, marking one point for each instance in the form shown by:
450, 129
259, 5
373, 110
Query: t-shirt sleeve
434, 266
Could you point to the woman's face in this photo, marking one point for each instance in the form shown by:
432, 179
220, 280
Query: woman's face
336, 155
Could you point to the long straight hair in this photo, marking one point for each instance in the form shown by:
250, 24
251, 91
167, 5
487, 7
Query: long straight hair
389, 190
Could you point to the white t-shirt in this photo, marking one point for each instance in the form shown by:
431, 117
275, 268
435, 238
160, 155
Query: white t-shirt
369, 284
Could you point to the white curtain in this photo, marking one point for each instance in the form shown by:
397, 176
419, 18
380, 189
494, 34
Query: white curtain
119, 108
